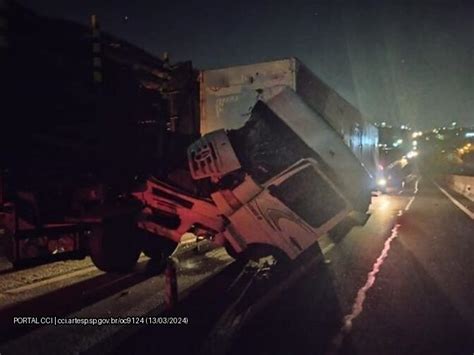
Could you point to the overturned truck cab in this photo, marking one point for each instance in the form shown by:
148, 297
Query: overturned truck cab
277, 185
274, 184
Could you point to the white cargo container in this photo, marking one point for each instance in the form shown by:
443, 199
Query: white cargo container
229, 94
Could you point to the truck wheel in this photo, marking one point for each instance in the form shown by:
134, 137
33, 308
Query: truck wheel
157, 247
115, 245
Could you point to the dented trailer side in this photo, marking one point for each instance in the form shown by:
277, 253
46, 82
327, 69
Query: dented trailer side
229, 94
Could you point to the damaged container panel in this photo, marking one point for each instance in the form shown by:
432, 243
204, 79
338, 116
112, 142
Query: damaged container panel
265, 146
228, 96
285, 130
296, 179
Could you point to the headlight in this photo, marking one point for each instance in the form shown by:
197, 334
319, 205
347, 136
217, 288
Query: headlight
381, 182
412, 154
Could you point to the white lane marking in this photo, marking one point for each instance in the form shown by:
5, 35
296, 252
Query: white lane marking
413, 197
409, 203
456, 202
325, 243
415, 191
416, 185
358, 305
328, 248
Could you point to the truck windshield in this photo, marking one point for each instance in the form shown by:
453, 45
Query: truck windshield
310, 196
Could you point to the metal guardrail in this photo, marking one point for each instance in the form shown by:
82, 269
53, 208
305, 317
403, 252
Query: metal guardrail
462, 184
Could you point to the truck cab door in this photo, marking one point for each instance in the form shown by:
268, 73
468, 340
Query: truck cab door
294, 209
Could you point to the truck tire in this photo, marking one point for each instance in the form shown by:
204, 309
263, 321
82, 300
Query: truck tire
115, 244
157, 247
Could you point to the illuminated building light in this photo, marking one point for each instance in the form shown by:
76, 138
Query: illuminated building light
469, 135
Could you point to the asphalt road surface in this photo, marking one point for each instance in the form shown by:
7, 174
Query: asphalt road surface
402, 284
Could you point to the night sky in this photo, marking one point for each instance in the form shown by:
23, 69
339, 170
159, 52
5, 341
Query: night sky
403, 62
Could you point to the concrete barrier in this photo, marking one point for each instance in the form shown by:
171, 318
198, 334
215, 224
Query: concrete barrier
462, 184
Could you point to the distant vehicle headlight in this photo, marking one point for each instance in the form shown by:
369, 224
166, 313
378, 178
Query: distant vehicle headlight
412, 154
381, 182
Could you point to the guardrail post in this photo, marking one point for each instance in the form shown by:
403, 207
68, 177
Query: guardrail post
171, 283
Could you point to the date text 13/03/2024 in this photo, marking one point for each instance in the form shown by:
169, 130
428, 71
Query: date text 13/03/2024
131, 320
